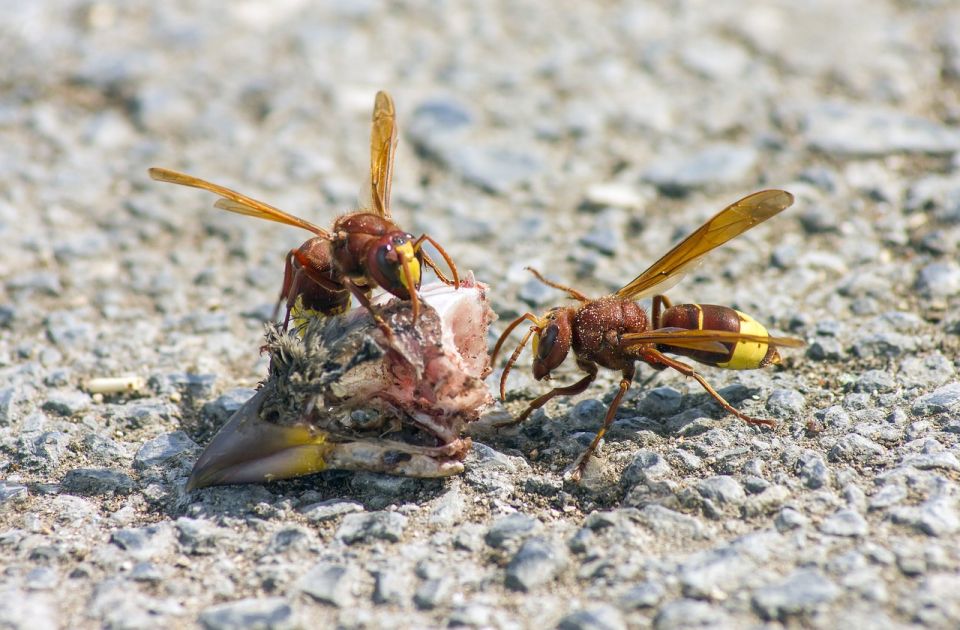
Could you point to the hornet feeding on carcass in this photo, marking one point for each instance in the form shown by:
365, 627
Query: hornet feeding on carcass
614, 332
363, 250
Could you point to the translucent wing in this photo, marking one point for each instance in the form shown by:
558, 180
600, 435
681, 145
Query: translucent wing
729, 223
383, 148
708, 340
233, 201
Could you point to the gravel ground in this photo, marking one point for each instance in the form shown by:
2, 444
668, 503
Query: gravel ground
582, 138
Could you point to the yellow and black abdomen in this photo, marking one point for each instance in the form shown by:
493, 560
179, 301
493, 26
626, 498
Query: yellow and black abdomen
742, 355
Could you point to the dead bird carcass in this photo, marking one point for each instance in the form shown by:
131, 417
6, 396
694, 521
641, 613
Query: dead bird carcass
340, 396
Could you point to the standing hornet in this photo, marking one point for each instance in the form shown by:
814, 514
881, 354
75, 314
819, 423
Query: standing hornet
615, 332
363, 250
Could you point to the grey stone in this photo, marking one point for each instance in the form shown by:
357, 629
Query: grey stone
813, 470
669, 523
9, 396
328, 583
104, 449
169, 449
97, 481
859, 130
858, 401
935, 601
887, 496
938, 516
329, 509
290, 539
198, 536
926, 371
715, 166
825, 349
606, 234
536, 293
469, 537
11, 491
802, 592
875, 381
537, 562
510, 528
207, 323
855, 448
939, 280
788, 519
368, 526
845, 523
148, 413
885, 344
786, 403
434, 593
8, 314
767, 502
714, 573
543, 485
59, 377
146, 572
448, 509
41, 579
942, 460
689, 613
472, 615
754, 484
495, 169
945, 399
23, 610
588, 414
218, 411
601, 617
390, 586
646, 465
434, 120
685, 460
818, 219
49, 448
855, 497
722, 489
44, 282
191, 385
660, 402
267, 613
642, 595
66, 329
67, 403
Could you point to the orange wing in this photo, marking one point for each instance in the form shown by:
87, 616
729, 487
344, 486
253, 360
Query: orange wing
233, 201
383, 149
729, 223
707, 340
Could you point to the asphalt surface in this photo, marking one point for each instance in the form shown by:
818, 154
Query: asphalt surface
583, 139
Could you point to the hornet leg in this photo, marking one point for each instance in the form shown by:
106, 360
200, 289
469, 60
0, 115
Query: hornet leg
659, 360
569, 390
625, 382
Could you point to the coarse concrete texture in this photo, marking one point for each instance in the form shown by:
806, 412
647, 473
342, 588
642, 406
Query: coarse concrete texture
580, 138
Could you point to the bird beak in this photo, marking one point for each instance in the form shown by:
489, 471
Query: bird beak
248, 449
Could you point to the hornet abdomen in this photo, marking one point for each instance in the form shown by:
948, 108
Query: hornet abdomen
743, 355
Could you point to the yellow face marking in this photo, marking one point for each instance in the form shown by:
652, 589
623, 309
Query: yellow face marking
542, 322
406, 251
747, 355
